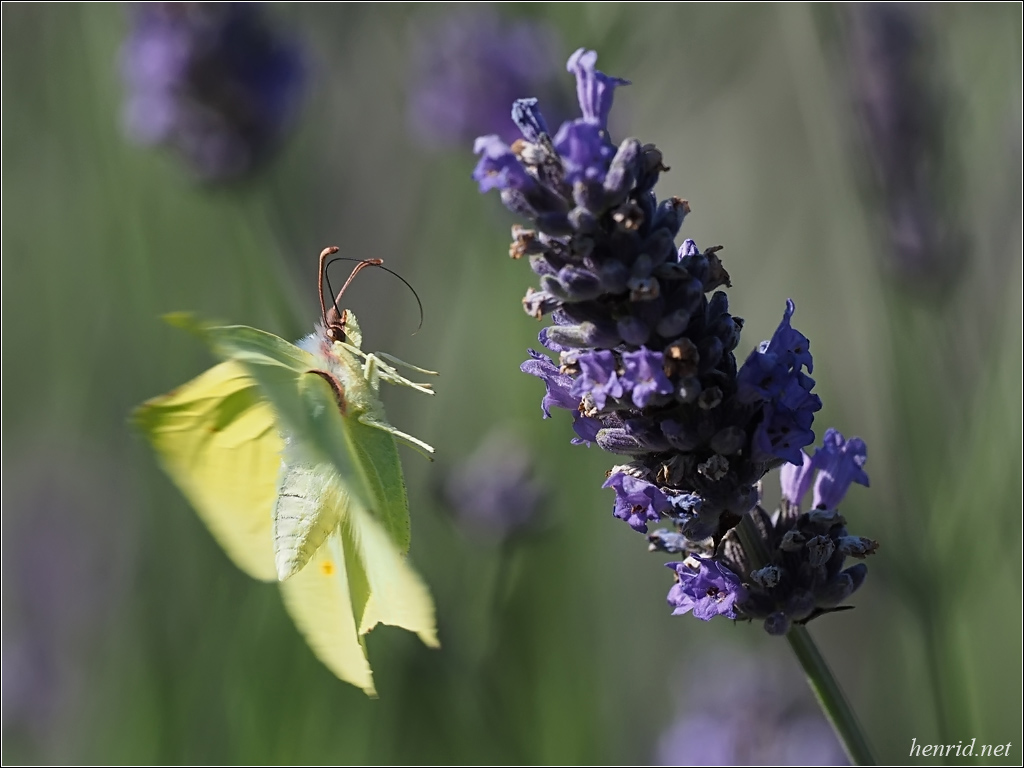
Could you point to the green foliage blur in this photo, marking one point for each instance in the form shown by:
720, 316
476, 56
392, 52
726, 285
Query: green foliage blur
128, 637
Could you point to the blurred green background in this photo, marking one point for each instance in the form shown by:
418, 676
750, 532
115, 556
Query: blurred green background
129, 637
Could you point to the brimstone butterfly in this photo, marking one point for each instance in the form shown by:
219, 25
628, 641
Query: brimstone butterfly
286, 454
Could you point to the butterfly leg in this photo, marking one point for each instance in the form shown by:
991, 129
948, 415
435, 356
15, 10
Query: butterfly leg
375, 369
410, 366
413, 442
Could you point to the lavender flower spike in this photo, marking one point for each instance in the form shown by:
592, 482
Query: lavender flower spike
646, 342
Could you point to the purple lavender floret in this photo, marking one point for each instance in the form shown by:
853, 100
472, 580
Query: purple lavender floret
637, 501
558, 395
499, 168
644, 338
583, 144
216, 82
468, 68
645, 375
705, 587
772, 374
840, 462
598, 377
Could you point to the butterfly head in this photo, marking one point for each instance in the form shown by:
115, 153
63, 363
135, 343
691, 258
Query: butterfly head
335, 319
339, 324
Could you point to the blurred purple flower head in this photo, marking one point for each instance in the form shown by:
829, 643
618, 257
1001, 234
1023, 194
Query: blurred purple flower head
494, 494
900, 94
469, 67
747, 710
67, 557
217, 82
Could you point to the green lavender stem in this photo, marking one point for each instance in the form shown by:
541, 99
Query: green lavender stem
830, 696
819, 676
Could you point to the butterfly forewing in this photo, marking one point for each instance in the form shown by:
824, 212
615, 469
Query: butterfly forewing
216, 438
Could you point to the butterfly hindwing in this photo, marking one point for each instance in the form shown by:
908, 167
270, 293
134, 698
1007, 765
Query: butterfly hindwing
397, 596
304, 515
356, 579
319, 600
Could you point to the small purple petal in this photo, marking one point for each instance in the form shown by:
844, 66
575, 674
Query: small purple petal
645, 375
795, 479
528, 118
773, 374
839, 462
498, 167
585, 149
790, 341
585, 428
598, 377
594, 89
558, 384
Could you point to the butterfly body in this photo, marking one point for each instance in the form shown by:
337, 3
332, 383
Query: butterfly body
285, 452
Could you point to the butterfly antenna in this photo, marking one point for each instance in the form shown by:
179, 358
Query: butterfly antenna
321, 274
360, 265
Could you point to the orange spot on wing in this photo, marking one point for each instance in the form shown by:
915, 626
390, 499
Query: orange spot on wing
327, 567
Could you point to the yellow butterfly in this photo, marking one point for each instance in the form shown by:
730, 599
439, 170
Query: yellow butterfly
285, 452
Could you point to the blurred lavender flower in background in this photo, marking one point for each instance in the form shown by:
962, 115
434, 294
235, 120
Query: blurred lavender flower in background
748, 712
67, 552
217, 82
646, 364
468, 68
900, 95
494, 494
